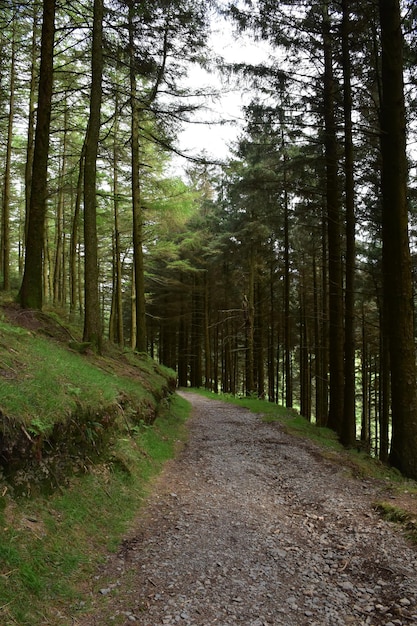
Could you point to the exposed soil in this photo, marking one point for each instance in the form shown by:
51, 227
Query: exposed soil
253, 526
36, 321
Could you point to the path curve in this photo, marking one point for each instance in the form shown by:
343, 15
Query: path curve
251, 526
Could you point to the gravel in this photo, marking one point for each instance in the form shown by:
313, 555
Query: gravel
253, 526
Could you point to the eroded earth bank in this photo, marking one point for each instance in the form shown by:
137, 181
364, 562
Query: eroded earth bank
252, 526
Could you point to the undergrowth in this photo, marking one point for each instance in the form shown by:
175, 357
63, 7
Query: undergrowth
42, 380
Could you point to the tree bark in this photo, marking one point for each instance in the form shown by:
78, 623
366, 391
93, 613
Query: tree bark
384, 399
117, 308
31, 295
74, 268
31, 123
208, 374
140, 312
397, 278
259, 341
348, 430
92, 318
305, 377
58, 283
365, 434
336, 369
271, 338
287, 320
249, 312
196, 340
5, 261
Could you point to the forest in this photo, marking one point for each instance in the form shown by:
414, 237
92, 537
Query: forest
287, 270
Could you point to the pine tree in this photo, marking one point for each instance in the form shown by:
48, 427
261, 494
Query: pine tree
31, 292
397, 280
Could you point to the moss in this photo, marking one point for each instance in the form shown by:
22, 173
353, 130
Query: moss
399, 516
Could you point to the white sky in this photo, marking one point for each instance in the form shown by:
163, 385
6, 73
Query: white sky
213, 137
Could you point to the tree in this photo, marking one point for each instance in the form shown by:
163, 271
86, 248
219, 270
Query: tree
348, 429
31, 291
397, 279
139, 278
5, 261
336, 386
92, 320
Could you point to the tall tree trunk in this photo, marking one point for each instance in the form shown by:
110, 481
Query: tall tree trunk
59, 228
318, 352
92, 319
305, 378
249, 312
47, 267
75, 290
384, 398
31, 290
183, 344
216, 352
5, 261
118, 330
287, 320
348, 430
208, 375
196, 374
272, 391
321, 305
259, 342
397, 278
334, 239
365, 434
31, 118
133, 317
140, 312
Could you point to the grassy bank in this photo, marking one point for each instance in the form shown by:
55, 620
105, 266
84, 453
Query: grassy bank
81, 436
50, 544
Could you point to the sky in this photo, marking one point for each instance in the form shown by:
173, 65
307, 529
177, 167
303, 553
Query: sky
211, 136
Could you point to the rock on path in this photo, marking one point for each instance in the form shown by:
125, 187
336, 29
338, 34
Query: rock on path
251, 526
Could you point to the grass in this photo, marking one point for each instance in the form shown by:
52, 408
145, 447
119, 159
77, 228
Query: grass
405, 519
50, 545
45, 381
80, 407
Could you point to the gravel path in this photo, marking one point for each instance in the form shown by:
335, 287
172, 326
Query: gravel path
251, 526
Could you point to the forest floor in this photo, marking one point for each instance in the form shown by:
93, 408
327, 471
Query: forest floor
250, 525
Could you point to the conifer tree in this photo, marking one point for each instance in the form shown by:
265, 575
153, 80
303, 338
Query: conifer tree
397, 280
31, 292
92, 317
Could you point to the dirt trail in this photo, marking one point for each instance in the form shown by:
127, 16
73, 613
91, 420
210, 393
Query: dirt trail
251, 526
